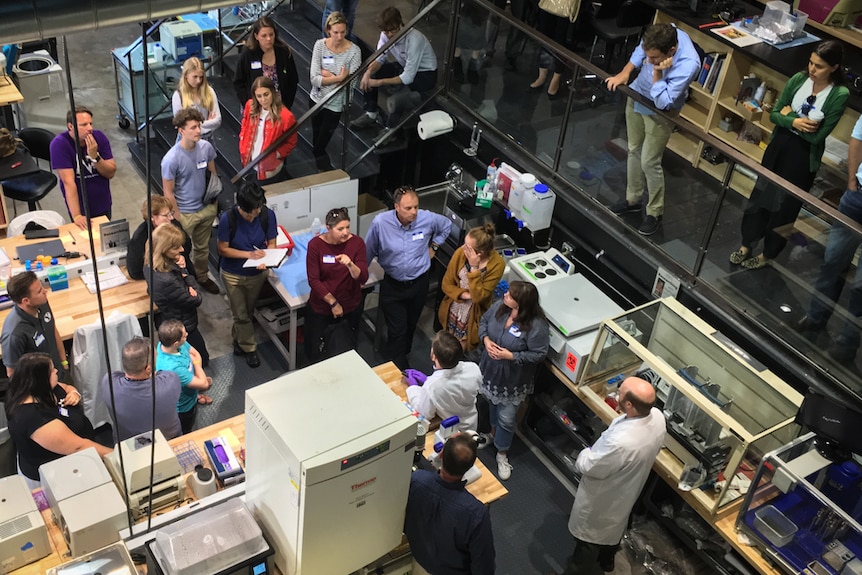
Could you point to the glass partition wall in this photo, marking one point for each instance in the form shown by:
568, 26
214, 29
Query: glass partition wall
807, 293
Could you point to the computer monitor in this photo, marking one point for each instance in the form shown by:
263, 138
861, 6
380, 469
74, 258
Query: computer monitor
835, 424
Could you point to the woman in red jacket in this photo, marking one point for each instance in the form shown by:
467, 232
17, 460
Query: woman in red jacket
264, 119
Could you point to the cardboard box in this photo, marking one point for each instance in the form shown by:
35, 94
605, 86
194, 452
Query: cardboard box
368, 207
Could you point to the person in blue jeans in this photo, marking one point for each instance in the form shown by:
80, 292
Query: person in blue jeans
514, 333
840, 248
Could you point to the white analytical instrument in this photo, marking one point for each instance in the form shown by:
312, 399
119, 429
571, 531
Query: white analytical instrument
84, 501
168, 486
23, 534
542, 267
329, 451
574, 308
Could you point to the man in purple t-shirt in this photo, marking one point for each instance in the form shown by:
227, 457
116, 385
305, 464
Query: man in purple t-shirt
98, 164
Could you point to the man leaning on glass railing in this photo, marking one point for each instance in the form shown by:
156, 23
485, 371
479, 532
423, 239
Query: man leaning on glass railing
840, 248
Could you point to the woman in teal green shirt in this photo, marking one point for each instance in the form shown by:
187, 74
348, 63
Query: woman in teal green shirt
794, 151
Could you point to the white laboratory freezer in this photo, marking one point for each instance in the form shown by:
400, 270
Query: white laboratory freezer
329, 451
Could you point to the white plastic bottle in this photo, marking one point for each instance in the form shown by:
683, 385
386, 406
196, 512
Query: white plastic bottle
516, 193
315, 227
538, 207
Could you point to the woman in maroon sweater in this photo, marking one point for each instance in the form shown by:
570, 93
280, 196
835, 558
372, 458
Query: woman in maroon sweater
337, 270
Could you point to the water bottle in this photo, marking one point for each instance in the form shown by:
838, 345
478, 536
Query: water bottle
492, 178
315, 227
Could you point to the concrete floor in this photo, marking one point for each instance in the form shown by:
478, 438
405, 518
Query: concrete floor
91, 69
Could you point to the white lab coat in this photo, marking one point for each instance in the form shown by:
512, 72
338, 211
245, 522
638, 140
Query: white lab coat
614, 471
449, 392
89, 364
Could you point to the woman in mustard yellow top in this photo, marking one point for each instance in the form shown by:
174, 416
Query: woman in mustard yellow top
468, 285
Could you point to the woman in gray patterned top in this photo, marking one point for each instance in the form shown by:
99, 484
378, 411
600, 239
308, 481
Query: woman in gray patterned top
332, 61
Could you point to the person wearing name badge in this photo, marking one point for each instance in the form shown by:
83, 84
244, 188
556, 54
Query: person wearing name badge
244, 232
264, 120
515, 336
43, 423
265, 54
333, 59
404, 241
184, 182
337, 270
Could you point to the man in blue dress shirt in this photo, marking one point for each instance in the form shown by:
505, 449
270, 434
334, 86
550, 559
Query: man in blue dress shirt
448, 529
668, 63
404, 241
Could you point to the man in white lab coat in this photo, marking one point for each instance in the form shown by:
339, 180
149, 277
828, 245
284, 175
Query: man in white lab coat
614, 471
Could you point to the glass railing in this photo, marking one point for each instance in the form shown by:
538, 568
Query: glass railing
580, 137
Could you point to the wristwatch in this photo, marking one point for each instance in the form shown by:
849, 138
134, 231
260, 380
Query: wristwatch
434, 246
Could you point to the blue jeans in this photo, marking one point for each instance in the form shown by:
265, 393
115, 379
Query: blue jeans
346, 7
840, 248
502, 419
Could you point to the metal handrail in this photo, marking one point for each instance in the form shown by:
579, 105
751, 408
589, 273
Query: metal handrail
343, 85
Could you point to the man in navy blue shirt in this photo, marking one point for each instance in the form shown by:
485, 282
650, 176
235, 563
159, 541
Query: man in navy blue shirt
448, 529
404, 241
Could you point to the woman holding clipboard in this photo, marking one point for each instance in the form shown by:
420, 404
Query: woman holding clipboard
244, 232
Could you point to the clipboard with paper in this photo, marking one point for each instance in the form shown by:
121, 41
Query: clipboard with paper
274, 258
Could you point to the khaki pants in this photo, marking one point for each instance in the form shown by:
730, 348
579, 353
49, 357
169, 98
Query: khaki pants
242, 292
199, 227
647, 136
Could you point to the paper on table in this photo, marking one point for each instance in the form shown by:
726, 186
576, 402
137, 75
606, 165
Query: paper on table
86, 236
272, 259
737, 36
110, 277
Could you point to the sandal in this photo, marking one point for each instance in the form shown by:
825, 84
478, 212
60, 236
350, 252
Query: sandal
739, 256
204, 399
753, 263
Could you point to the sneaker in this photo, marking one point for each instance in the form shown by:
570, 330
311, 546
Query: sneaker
210, 286
504, 469
624, 207
252, 359
484, 440
649, 226
395, 143
364, 122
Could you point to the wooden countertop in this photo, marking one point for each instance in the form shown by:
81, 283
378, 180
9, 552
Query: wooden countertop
9, 93
76, 306
486, 489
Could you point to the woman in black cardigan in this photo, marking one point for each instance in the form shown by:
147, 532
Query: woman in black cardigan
172, 287
266, 55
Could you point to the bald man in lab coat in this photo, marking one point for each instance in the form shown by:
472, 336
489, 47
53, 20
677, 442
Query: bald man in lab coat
614, 471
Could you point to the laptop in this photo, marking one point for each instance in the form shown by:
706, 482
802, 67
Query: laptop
53, 248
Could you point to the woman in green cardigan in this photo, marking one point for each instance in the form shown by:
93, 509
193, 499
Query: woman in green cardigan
794, 151
468, 285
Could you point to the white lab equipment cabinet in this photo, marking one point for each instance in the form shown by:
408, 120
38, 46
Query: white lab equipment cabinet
43, 86
329, 450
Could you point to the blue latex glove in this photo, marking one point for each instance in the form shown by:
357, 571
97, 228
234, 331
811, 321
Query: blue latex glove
414, 377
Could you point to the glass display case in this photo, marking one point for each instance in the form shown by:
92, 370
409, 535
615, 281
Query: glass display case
724, 410
806, 510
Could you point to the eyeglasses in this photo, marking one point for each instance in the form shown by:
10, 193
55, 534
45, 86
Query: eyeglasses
337, 213
169, 215
392, 32
808, 105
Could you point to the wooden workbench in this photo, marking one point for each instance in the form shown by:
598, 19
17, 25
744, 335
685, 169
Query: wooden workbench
668, 467
9, 93
76, 306
486, 489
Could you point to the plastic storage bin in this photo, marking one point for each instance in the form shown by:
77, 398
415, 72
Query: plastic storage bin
210, 541
774, 525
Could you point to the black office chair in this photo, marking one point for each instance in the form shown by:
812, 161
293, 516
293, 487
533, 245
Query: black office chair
617, 23
33, 187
